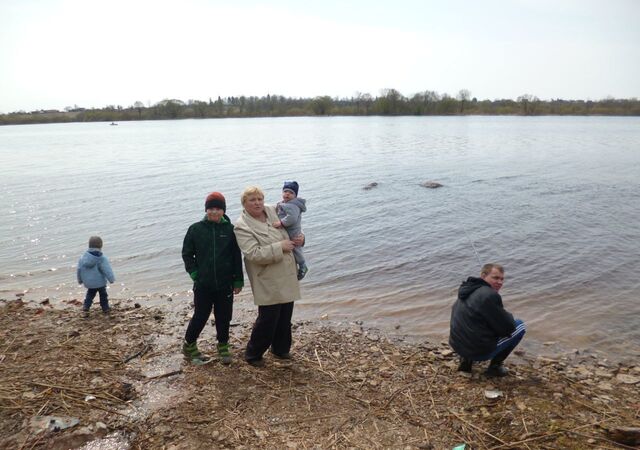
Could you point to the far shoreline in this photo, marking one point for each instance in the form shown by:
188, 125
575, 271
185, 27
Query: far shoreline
390, 103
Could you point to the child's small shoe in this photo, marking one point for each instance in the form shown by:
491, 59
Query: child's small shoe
302, 271
191, 352
224, 353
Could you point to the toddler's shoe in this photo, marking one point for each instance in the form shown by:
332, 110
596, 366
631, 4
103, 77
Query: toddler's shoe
302, 271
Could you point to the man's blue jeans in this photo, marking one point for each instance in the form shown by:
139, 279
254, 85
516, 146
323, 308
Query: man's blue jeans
506, 345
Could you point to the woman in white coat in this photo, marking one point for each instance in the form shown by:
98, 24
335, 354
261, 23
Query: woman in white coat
271, 269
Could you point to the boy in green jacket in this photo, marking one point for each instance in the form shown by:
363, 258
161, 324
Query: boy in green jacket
213, 261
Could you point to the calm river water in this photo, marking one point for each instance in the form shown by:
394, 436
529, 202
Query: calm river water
555, 199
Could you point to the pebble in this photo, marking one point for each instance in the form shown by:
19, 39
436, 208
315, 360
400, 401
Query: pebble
627, 379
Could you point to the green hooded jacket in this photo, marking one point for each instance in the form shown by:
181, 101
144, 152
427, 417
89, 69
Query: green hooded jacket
211, 255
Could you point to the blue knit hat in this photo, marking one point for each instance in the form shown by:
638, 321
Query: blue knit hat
291, 186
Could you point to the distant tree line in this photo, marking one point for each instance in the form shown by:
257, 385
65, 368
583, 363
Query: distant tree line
390, 102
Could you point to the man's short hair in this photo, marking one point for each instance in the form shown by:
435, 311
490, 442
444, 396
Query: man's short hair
487, 268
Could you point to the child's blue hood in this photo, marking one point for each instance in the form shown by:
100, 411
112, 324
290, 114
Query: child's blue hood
91, 258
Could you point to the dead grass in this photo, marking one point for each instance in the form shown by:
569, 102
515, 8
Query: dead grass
344, 389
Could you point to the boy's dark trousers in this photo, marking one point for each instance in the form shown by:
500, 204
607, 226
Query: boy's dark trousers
91, 294
205, 299
272, 329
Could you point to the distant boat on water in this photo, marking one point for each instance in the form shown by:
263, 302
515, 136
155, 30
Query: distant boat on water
113, 123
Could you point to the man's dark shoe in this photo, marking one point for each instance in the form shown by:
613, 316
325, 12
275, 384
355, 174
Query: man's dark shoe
282, 356
465, 365
497, 370
255, 362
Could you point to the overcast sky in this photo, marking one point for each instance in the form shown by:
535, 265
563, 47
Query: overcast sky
90, 53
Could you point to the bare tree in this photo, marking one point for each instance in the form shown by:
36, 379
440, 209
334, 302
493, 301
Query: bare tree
138, 106
529, 104
463, 96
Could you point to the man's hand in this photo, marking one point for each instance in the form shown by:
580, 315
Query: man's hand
236, 291
277, 224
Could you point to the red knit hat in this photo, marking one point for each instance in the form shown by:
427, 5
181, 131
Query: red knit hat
215, 200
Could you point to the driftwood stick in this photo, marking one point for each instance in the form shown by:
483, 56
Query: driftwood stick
141, 353
306, 419
478, 428
601, 438
42, 408
315, 350
545, 436
66, 388
94, 405
164, 375
395, 393
433, 402
589, 407
407, 358
102, 359
9, 344
102, 395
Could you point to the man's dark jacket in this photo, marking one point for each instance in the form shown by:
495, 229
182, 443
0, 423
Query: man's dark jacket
478, 319
210, 252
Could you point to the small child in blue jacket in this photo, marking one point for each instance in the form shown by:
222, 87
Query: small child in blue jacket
94, 271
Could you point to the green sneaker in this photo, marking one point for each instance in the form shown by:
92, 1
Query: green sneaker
191, 352
224, 353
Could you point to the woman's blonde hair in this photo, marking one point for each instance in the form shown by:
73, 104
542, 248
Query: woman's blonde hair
250, 190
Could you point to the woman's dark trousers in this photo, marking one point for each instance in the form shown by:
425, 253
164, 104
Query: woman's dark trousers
272, 329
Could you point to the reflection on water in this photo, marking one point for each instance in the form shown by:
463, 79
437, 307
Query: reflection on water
555, 199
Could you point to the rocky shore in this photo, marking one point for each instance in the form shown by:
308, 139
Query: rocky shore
119, 382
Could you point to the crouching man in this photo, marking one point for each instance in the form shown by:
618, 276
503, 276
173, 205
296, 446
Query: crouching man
481, 329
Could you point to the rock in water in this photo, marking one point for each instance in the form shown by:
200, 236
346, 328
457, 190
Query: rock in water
431, 184
370, 186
